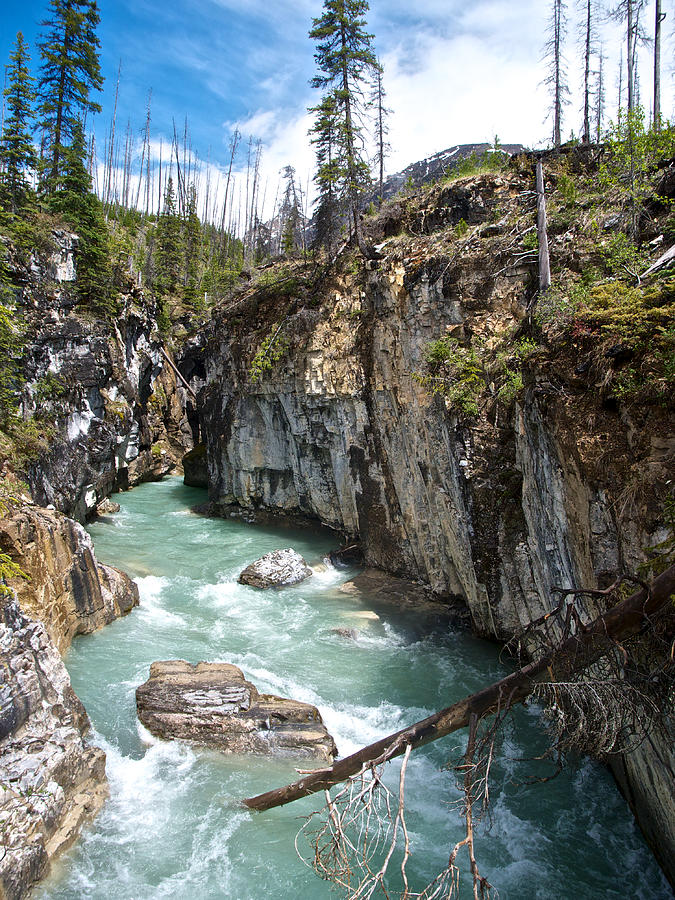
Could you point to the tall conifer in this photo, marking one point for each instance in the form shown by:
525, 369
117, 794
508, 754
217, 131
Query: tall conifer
168, 243
70, 71
17, 154
73, 199
346, 61
382, 147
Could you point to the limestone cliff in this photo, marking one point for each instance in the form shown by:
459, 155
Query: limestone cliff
51, 779
103, 393
66, 588
318, 402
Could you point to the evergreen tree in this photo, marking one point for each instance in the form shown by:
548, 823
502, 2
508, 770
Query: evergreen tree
345, 57
192, 243
324, 136
382, 147
168, 244
11, 340
72, 197
290, 216
70, 71
17, 154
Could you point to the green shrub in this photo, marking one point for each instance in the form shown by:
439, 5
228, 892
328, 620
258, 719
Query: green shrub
531, 241
567, 188
269, 353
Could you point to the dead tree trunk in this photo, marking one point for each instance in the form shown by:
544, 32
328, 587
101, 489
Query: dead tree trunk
573, 655
660, 16
544, 261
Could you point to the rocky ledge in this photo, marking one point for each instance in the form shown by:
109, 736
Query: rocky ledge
66, 588
51, 779
276, 569
212, 703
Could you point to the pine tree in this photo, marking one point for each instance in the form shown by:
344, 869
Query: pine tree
70, 71
290, 216
382, 147
557, 77
192, 242
11, 341
17, 154
168, 243
72, 197
324, 136
345, 57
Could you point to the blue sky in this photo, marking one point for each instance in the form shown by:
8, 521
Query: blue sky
455, 71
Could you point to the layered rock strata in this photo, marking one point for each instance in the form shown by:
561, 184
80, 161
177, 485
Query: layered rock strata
495, 509
51, 779
116, 411
213, 704
66, 588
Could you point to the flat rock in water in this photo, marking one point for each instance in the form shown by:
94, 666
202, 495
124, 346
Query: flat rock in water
212, 703
275, 569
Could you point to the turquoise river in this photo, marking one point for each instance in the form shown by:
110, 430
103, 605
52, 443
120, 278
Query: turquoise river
174, 826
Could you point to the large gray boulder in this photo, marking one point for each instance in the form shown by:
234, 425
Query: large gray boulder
212, 703
275, 569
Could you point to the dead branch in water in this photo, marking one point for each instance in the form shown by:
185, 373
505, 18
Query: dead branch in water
574, 654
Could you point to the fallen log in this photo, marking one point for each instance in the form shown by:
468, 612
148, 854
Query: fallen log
573, 655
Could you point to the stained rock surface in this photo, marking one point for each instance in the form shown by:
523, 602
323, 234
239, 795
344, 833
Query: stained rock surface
67, 589
51, 779
275, 569
212, 703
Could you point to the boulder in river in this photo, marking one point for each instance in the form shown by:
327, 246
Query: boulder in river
276, 569
107, 507
212, 703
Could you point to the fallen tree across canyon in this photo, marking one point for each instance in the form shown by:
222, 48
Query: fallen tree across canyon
572, 655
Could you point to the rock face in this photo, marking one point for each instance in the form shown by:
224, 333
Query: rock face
212, 703
121, 416
195, 470
51, 779
67, 589
107, 507
646, 773
494, 510
276, 569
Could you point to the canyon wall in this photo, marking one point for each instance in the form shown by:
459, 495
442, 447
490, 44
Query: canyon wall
51, 779
114, 413
550, 488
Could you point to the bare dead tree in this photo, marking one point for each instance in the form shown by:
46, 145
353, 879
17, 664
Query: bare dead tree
660, 16
588, 41
556, 79
599, 95
629, 12
584, 645
542, 232
382, 146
